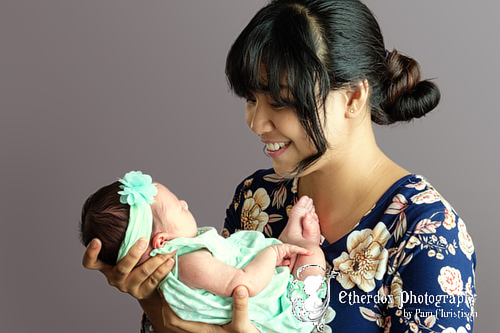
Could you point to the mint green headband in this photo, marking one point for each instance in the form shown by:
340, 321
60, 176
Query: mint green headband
138, 191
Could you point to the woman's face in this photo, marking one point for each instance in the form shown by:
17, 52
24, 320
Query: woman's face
287, 143
280, 130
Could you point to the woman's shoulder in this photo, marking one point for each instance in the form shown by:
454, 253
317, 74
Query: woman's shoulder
413, 211
417, 199
415, 214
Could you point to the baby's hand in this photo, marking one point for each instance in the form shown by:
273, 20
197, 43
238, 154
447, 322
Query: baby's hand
286, 254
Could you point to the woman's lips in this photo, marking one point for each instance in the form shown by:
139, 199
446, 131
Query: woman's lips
276, 148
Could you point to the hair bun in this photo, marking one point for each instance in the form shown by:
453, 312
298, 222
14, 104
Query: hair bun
407, 96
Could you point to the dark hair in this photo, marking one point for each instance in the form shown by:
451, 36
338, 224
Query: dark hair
322, 45
105, 217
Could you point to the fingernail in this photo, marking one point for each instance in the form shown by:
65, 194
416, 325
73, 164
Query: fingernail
141, 244
170, 262
241, 292
93, 244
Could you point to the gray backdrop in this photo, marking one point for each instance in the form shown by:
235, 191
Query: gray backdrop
92, 89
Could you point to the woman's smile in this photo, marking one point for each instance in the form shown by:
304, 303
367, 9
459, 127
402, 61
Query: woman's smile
276, 148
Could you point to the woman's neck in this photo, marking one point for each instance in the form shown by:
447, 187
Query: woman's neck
343, 192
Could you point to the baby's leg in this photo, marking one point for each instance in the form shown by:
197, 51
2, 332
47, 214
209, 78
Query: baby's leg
304, 230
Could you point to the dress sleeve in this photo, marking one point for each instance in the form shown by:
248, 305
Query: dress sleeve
231, 221
146, 326
261, 203
433, 285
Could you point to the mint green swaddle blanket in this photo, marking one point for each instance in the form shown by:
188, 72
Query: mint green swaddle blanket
270, 310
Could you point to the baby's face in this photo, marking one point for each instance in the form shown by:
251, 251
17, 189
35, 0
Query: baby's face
172, 215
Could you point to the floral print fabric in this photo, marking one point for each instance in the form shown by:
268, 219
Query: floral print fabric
408, 266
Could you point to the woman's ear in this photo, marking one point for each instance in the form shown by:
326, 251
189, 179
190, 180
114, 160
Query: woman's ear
160, 239
356, 98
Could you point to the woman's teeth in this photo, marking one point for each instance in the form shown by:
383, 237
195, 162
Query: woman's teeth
273, 146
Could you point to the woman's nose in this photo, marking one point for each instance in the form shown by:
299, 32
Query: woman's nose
258, 116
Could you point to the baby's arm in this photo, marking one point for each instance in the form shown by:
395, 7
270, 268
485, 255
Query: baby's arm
200, 270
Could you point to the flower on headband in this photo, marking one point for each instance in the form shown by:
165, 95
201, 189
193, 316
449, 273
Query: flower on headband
137, 188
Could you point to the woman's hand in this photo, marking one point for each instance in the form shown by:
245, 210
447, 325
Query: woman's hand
140, 282
240, 323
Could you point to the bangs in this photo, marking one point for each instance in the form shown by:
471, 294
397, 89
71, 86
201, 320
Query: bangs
276, 54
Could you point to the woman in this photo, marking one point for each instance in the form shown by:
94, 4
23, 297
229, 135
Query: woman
315, 75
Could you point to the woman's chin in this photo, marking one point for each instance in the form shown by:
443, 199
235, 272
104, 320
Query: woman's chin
284, 171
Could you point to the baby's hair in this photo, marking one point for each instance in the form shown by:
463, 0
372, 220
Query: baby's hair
105, 217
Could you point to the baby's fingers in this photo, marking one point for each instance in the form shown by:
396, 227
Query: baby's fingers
285, 262
300, 250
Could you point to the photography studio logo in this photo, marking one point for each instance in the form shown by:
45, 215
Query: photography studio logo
310, 298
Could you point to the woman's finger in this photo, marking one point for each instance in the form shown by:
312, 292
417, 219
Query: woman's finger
90, 260
123, 268
141, 281
241, 321
160, 265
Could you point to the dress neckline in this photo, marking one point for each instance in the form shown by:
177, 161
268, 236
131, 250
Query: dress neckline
378, 205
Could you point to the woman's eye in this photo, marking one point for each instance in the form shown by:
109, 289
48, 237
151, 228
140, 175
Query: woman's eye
277, 105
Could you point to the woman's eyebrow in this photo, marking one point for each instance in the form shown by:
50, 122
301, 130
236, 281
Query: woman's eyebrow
265, 87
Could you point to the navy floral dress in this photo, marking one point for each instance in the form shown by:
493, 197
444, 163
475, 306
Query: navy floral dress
407, 266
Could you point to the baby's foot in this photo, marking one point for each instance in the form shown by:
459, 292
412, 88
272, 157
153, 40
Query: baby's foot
299, 210
293, 230
304, 219
310, 227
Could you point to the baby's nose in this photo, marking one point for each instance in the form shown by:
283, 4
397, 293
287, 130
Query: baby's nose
184, 204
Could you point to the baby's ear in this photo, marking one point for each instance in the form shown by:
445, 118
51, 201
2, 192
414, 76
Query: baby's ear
160, 239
